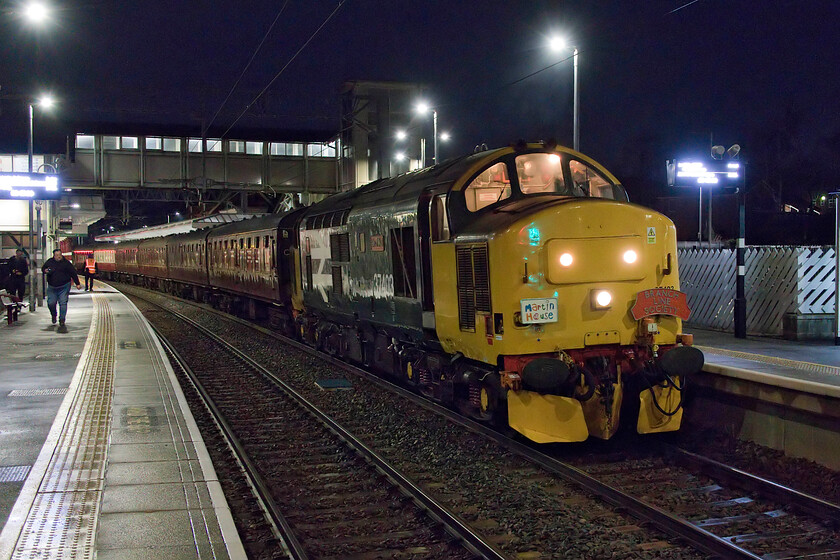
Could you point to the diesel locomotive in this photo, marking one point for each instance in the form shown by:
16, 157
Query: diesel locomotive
517, 284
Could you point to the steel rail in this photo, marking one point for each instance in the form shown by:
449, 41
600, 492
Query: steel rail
805, 503
282, 528
672, 525
451, 523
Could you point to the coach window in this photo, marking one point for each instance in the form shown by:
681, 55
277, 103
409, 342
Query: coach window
491, 186
154, 143
440, 221
272, 252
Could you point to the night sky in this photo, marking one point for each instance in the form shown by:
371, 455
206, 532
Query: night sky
656, 77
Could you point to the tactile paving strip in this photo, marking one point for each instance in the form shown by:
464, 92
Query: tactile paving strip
63, 517
37, 392
772, 360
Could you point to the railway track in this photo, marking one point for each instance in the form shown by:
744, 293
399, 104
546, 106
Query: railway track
717, 510
325, 492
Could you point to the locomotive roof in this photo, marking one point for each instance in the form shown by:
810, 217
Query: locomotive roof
405, 186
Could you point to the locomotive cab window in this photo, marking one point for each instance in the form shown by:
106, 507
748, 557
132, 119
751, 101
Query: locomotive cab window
491, 186
542, 173
592, 183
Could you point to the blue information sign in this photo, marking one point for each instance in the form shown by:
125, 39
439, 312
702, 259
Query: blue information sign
30, 186
705, 173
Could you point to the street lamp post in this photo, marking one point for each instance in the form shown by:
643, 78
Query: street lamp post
34, 242
424, 108
557, 44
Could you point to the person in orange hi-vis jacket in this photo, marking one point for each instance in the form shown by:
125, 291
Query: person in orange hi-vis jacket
90, 272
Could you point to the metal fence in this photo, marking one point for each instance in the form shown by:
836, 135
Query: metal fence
779, 280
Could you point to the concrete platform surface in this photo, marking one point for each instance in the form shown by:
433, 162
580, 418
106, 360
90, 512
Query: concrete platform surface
805, 365
100, 453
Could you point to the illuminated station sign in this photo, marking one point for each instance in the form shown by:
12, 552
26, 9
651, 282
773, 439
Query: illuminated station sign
709, 173
29, 186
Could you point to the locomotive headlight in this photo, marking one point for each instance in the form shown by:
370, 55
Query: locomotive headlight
601, 299
566, 259
630, 256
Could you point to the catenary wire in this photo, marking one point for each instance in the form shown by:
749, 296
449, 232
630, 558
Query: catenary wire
244, 70
276, 76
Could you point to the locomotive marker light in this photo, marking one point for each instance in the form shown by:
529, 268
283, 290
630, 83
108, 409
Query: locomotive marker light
601, 299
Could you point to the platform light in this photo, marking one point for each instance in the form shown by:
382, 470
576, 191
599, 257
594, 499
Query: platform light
630, 256
399, 156
445, 137
36, 12
401, 134
601, 299
75, 205
566, 259
46, 101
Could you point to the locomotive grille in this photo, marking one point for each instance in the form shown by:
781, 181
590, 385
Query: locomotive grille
481, 275
340, 247
473, 283
337, 287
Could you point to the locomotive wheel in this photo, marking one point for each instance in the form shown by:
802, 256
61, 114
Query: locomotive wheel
411, 377
488, 402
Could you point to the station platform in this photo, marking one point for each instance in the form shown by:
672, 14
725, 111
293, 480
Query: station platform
100, 456
812, 366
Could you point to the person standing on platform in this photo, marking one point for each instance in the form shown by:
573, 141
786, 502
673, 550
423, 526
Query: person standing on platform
60, 272
91, 270
18, 269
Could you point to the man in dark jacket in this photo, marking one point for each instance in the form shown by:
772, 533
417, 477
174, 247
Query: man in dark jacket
18, 269
60, 272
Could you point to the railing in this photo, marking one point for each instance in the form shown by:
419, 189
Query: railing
779, 280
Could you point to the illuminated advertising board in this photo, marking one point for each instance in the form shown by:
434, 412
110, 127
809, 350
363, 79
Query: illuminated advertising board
30, 186
705, 173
